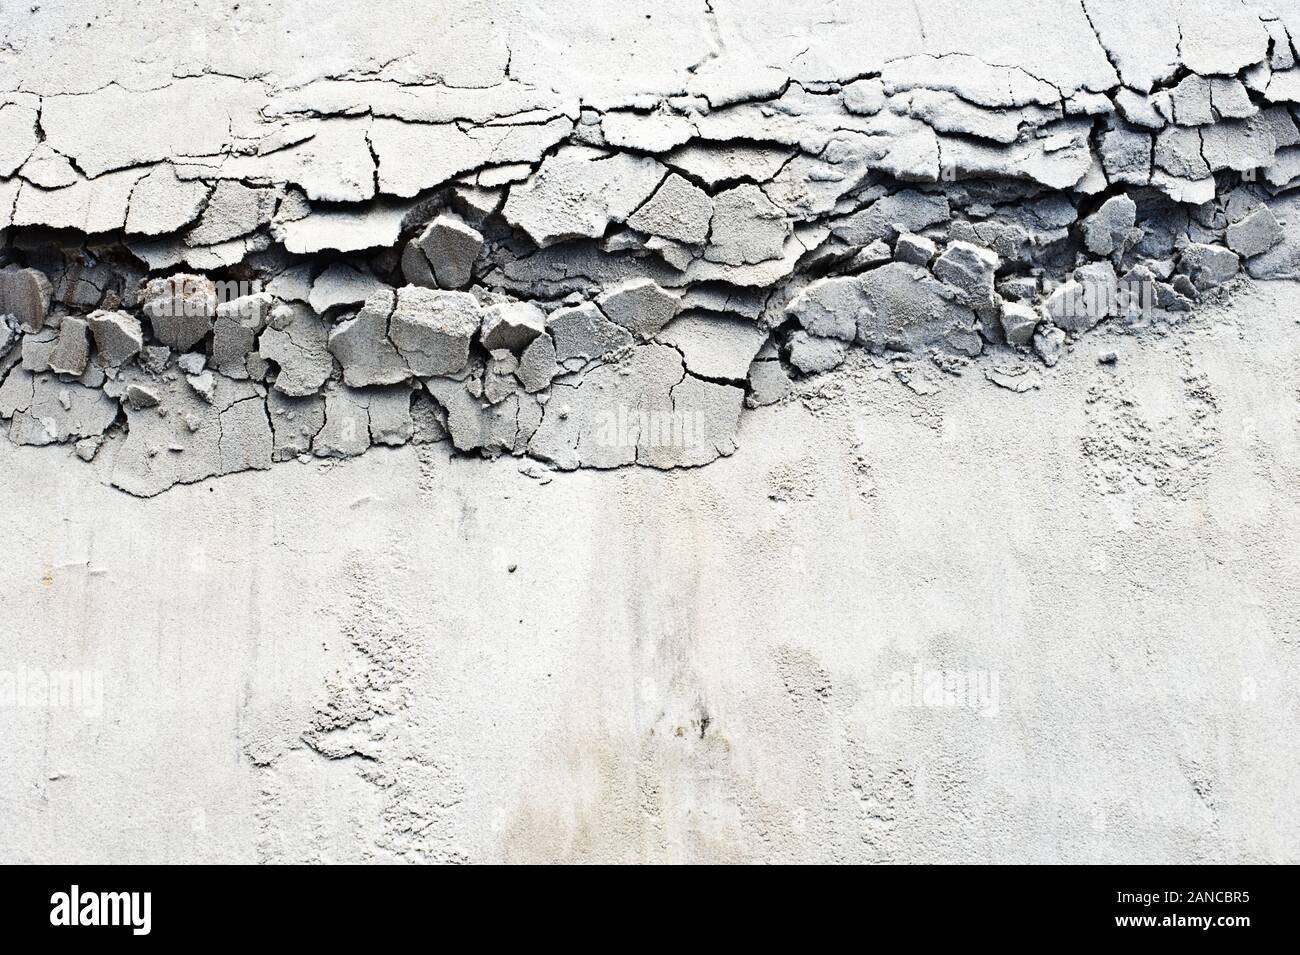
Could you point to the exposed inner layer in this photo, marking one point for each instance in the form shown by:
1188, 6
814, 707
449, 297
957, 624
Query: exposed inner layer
521, 269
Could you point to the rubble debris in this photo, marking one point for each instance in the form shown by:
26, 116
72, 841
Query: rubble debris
72, 351
25, 294
915, 249
1110, 228
363, 347
443, 255
340, 286
297, 341
1208, 265
1255, 234
639, 305
583, 331
431, 329
1018, 322
608, 280
180, 309
511, 325
579, 191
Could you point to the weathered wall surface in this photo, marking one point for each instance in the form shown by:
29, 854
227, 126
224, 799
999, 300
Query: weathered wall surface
336, 662
594, 240
712, 430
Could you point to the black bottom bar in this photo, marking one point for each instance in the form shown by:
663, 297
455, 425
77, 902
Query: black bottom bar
1214, 904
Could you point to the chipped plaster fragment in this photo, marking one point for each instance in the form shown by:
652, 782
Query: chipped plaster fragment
712, 346
340, 286
678, 210
297, 341
161, 202
362, 346
88, 205
432, 329
579, 191
640, 306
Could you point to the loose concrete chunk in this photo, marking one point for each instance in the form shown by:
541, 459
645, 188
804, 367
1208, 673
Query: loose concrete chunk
828, 308
583, 331
812, 355
450, 246
679, 211
1082, 302
896, 307
1018, 322
640, 306
416, 267
204, 384
363, 348
970, 269
87, 448
342, 286
1208, 265
537, 366
1049, 342
180, 309
298, 342
915, 249
37, 348
72, 351
1255, 234
511, 325
118, 336
1109, 228
432, 329
25, 294
141, 396
904, 308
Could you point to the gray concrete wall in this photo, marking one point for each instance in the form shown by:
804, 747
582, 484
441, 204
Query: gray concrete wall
409, 657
